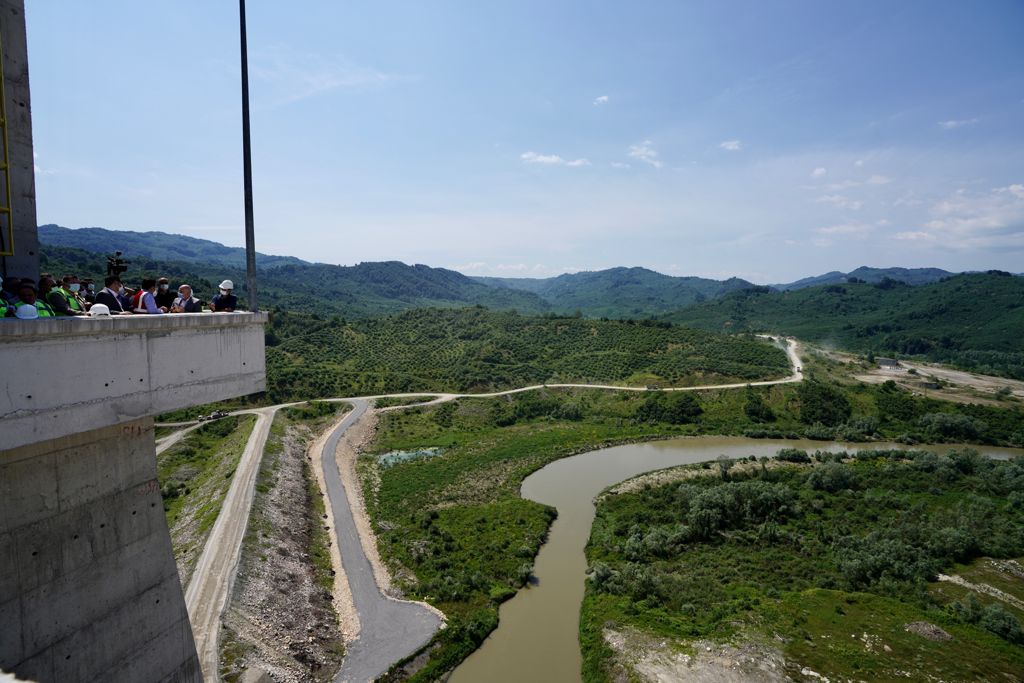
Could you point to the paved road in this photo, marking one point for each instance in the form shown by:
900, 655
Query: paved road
389, 629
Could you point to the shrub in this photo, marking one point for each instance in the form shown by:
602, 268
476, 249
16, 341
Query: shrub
821, 403
832, 477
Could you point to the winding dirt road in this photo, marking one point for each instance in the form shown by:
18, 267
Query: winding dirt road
389, 629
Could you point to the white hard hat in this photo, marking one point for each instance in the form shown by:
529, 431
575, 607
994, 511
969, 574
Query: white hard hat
227, 284
99, 309
26, 312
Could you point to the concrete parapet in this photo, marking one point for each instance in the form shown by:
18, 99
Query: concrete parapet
89, 589
68, 375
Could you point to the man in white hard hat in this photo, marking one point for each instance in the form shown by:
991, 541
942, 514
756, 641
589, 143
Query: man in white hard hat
225, 302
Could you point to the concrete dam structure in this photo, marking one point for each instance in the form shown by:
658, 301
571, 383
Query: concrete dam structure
89, 589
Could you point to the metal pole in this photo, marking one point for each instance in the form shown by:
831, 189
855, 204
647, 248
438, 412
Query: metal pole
250, 238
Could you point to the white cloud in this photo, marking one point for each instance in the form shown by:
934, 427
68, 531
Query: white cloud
1017, 190
858, 163
913, 236
879, 180
818, 172
552, 160
646, 153
289, 76
840, 201
619, 164
603, 99
955, 123
731, 145
856, 229
842, 185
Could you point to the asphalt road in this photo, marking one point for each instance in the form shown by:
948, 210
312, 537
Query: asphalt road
389, 629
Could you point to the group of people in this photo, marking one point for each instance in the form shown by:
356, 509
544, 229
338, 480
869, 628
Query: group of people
48, 297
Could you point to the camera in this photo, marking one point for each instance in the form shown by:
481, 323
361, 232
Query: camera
115, 264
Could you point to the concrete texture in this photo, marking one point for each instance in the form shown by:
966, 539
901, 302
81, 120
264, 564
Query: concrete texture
61, 377
25, 262
88, 585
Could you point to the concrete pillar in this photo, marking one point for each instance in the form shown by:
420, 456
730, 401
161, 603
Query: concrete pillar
25, 262
89, 590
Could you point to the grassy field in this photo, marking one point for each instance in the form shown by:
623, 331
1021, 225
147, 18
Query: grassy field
194, 477
824, 564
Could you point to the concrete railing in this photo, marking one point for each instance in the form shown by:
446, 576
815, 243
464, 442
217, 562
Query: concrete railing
68, 375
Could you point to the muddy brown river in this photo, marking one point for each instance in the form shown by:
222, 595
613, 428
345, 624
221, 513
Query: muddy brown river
538, 635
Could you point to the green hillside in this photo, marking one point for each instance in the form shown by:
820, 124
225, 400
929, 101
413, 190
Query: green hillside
154, 245
621, 292
909, 276
475, 349
974, 320
367, 289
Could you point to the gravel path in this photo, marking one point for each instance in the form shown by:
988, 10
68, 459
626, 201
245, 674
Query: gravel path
389, 629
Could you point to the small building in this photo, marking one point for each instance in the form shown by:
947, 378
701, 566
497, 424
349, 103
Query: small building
888, 363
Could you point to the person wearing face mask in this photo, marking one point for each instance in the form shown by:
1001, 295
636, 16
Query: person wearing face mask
64, 299
89, 292
112, 296
164, 296
186, 303
225, 302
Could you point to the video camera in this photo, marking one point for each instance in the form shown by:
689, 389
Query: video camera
116, 265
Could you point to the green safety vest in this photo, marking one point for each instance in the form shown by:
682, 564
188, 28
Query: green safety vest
44, 309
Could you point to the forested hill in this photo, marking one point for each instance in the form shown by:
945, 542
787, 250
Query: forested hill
364, 290
473, 349
910, 276
156, 246
620, 292
974, 320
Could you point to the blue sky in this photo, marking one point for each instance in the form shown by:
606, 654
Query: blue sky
767, 140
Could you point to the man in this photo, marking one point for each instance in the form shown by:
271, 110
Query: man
186, 303
225, 302
164, 297
89, 292
147, 302
27, 298
112, 297
64, 299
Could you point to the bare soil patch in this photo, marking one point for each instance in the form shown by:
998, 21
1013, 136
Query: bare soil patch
279, 620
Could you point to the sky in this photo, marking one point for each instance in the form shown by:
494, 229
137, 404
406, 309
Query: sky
764, 140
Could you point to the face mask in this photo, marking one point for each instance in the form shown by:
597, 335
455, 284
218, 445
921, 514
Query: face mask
75, 287
164, 288
120, 290
92, 288
224, 292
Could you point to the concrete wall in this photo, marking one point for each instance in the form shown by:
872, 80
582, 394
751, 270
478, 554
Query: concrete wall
67, 375
25, 262
89, 590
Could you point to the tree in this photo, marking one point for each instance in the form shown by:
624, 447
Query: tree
821, 403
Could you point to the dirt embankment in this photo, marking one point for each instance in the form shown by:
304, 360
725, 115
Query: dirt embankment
279, 620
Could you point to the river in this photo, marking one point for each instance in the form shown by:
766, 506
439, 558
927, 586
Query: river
538, 635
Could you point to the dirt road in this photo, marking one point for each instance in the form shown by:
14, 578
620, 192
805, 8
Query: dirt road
211, 581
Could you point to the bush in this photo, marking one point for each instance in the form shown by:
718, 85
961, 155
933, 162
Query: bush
821, 403
952, 426
832, 477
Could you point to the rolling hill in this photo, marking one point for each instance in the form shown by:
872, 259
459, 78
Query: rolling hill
620, 292
973, 320
909, 276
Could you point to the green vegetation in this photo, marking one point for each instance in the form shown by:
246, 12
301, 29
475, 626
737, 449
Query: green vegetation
800, 557
972, 321
620, 292
456, 533
363, 290
194, 476
476, 349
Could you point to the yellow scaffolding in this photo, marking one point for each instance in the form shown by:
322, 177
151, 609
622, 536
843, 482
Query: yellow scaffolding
6, 214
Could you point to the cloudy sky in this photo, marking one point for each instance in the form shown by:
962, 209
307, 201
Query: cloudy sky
768, 140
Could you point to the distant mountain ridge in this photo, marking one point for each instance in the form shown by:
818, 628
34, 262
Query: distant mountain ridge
621, 292
909, 276
160, 246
